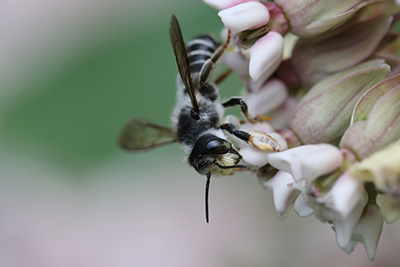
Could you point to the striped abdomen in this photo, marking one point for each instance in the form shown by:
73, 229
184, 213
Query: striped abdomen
200, 49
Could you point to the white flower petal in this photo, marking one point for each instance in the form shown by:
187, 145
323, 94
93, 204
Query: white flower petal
344, 227
307, 162
301, 206
270, 97
223, 4
350, 247
283, 195
368, 230
390, 209
265, 55
245, 16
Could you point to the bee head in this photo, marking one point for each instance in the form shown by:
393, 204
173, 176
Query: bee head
214, 155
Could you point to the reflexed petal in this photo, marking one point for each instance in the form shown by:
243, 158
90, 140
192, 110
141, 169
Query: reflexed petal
390, 209
368, 229
270, 97
344, 227
307, 162
283, 195
245, 16
324, 113
302, 207
265, 55
223, 4
350, 247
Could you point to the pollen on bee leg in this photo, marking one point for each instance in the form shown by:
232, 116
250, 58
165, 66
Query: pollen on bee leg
264, 141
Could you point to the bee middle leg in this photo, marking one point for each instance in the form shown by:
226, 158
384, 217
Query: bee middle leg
238, 101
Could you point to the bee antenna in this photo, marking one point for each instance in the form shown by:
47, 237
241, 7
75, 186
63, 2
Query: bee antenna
206, 197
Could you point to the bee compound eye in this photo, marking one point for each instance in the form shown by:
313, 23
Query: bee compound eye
217, 146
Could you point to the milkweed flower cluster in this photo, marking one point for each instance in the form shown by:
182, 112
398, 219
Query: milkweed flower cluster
328, 75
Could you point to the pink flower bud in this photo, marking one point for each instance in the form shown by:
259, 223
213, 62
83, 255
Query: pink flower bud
223, 4
265, 55
245, 16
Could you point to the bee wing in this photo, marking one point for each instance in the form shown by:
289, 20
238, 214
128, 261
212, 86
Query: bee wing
179, 47
141, 134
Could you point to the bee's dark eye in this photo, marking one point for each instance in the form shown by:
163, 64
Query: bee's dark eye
218, 146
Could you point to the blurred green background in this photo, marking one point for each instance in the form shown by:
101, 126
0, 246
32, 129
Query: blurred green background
86, 82
72, 74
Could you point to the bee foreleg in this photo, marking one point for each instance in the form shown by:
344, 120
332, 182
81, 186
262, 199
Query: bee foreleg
206, 72
230, 128
209, 65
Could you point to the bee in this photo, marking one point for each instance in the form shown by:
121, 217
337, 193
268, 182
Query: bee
198, 114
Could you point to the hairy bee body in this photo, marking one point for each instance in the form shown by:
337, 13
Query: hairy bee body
198, 128
187, 128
